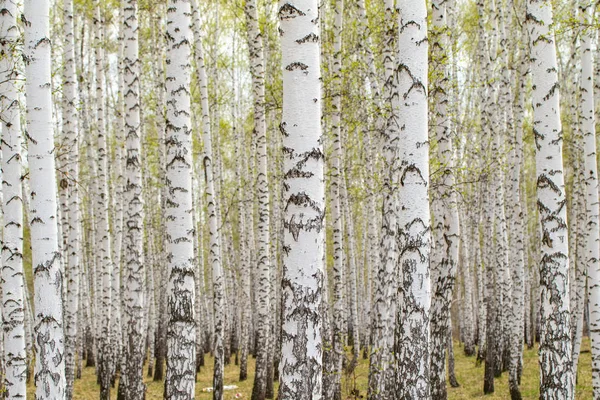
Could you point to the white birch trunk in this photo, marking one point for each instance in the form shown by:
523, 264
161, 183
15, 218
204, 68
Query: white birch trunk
14, 354
333, 384
181, 330
117, 202
257, 70
70, 129
102, 229
300, 369
48, 327
133, 297
555, 344
414, 220
592, 251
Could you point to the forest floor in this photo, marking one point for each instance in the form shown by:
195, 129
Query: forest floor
468, 373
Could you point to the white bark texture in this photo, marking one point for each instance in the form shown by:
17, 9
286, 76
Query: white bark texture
13, 306
592, 251
47, 276
333, 383
70, 133
133, 272
103, 243
181, 331
263, 268
300, 369
555, 344
414, 220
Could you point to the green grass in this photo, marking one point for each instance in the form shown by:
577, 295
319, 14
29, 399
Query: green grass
469, 375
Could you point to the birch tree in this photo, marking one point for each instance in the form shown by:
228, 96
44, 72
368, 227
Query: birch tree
414, 221
555, 344
47, 277
333, 386
300, 369
592, 251
13, 306
133, 296
71, 134
181, 331
257, 70
102, 224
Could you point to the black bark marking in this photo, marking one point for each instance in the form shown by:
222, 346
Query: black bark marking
288, 11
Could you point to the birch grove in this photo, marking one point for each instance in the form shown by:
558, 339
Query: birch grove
299, 199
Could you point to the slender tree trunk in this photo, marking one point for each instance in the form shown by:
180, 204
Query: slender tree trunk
414, 222
592, 250
467, 266
102, 234
117, 204
244, 245
181, 330
47, 277
451, 373
257, 70
304, 197
555, 344
70, 129
333, 387
14, 360
134, 298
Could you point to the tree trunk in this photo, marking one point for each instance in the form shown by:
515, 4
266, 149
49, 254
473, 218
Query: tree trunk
304, 195
414, 220
14, 360
47, 276
555, 344
591, 183
102, 234
134, 299
257, 71
181, 329
333, 389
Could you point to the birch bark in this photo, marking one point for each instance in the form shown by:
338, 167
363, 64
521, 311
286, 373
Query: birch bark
555, 344
70, 128
300, 369
414, 220
47, 276
181, 330
14, 360
592, 251
133, 296
257, 70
